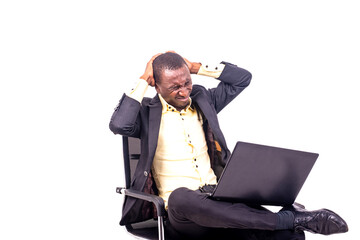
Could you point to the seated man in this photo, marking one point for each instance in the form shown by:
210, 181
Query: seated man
183, 148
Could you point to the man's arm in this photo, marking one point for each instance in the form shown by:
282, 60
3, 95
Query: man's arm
233, 80
126, 120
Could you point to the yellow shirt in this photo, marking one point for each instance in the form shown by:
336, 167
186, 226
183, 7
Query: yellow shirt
181, 157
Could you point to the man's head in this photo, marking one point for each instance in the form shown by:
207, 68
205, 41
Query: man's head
172, 79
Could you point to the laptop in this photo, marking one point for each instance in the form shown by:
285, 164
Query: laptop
264, 175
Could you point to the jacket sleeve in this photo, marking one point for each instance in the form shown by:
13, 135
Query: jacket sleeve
126, 118
233, 80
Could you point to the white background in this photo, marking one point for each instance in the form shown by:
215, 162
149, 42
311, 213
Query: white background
65, 64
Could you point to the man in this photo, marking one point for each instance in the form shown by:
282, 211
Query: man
183, 148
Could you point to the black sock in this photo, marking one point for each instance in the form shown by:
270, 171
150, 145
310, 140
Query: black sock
285, 220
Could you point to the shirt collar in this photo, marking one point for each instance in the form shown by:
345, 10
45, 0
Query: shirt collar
168, 107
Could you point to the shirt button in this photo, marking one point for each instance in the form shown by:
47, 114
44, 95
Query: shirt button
145, 173
195, 159
197, 166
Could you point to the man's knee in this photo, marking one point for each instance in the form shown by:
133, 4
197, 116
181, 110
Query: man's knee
179, 198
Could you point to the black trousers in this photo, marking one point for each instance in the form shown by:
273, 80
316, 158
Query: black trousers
195, 216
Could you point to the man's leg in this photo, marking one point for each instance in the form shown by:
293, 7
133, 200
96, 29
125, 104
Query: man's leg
184, 205
192, 210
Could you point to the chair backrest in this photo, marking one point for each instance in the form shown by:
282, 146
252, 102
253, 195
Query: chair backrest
131, 152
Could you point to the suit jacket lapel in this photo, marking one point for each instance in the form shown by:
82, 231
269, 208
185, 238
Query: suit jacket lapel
155, 110
211, 115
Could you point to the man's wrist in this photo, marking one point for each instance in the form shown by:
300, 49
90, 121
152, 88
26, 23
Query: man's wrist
145, 78
211, 70
139, 90
195, 67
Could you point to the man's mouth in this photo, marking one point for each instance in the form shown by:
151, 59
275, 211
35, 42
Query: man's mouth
183, 99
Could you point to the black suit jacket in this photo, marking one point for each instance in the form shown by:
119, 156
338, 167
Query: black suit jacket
143, 121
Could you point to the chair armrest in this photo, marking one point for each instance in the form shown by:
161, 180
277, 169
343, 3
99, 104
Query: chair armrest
158, 201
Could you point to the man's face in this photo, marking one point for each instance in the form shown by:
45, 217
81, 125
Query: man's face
175, 87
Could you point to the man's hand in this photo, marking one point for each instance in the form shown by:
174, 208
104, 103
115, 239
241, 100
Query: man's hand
193, 66
149, 74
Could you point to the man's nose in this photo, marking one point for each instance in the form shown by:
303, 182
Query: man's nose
184, 92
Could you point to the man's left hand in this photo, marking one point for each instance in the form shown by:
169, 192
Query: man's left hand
193, 66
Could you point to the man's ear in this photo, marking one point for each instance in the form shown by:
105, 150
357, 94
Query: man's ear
157, 88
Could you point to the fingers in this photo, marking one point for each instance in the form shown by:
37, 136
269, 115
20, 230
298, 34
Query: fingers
148, 74
155, 56
189, 64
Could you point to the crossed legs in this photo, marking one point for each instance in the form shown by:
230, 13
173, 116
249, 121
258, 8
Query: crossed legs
194, 215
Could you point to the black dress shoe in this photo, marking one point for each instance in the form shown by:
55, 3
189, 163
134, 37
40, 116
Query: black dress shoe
321, 221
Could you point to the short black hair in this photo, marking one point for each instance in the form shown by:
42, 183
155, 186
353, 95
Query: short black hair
169, 61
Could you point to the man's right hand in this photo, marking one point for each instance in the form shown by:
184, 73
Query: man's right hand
149, 74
